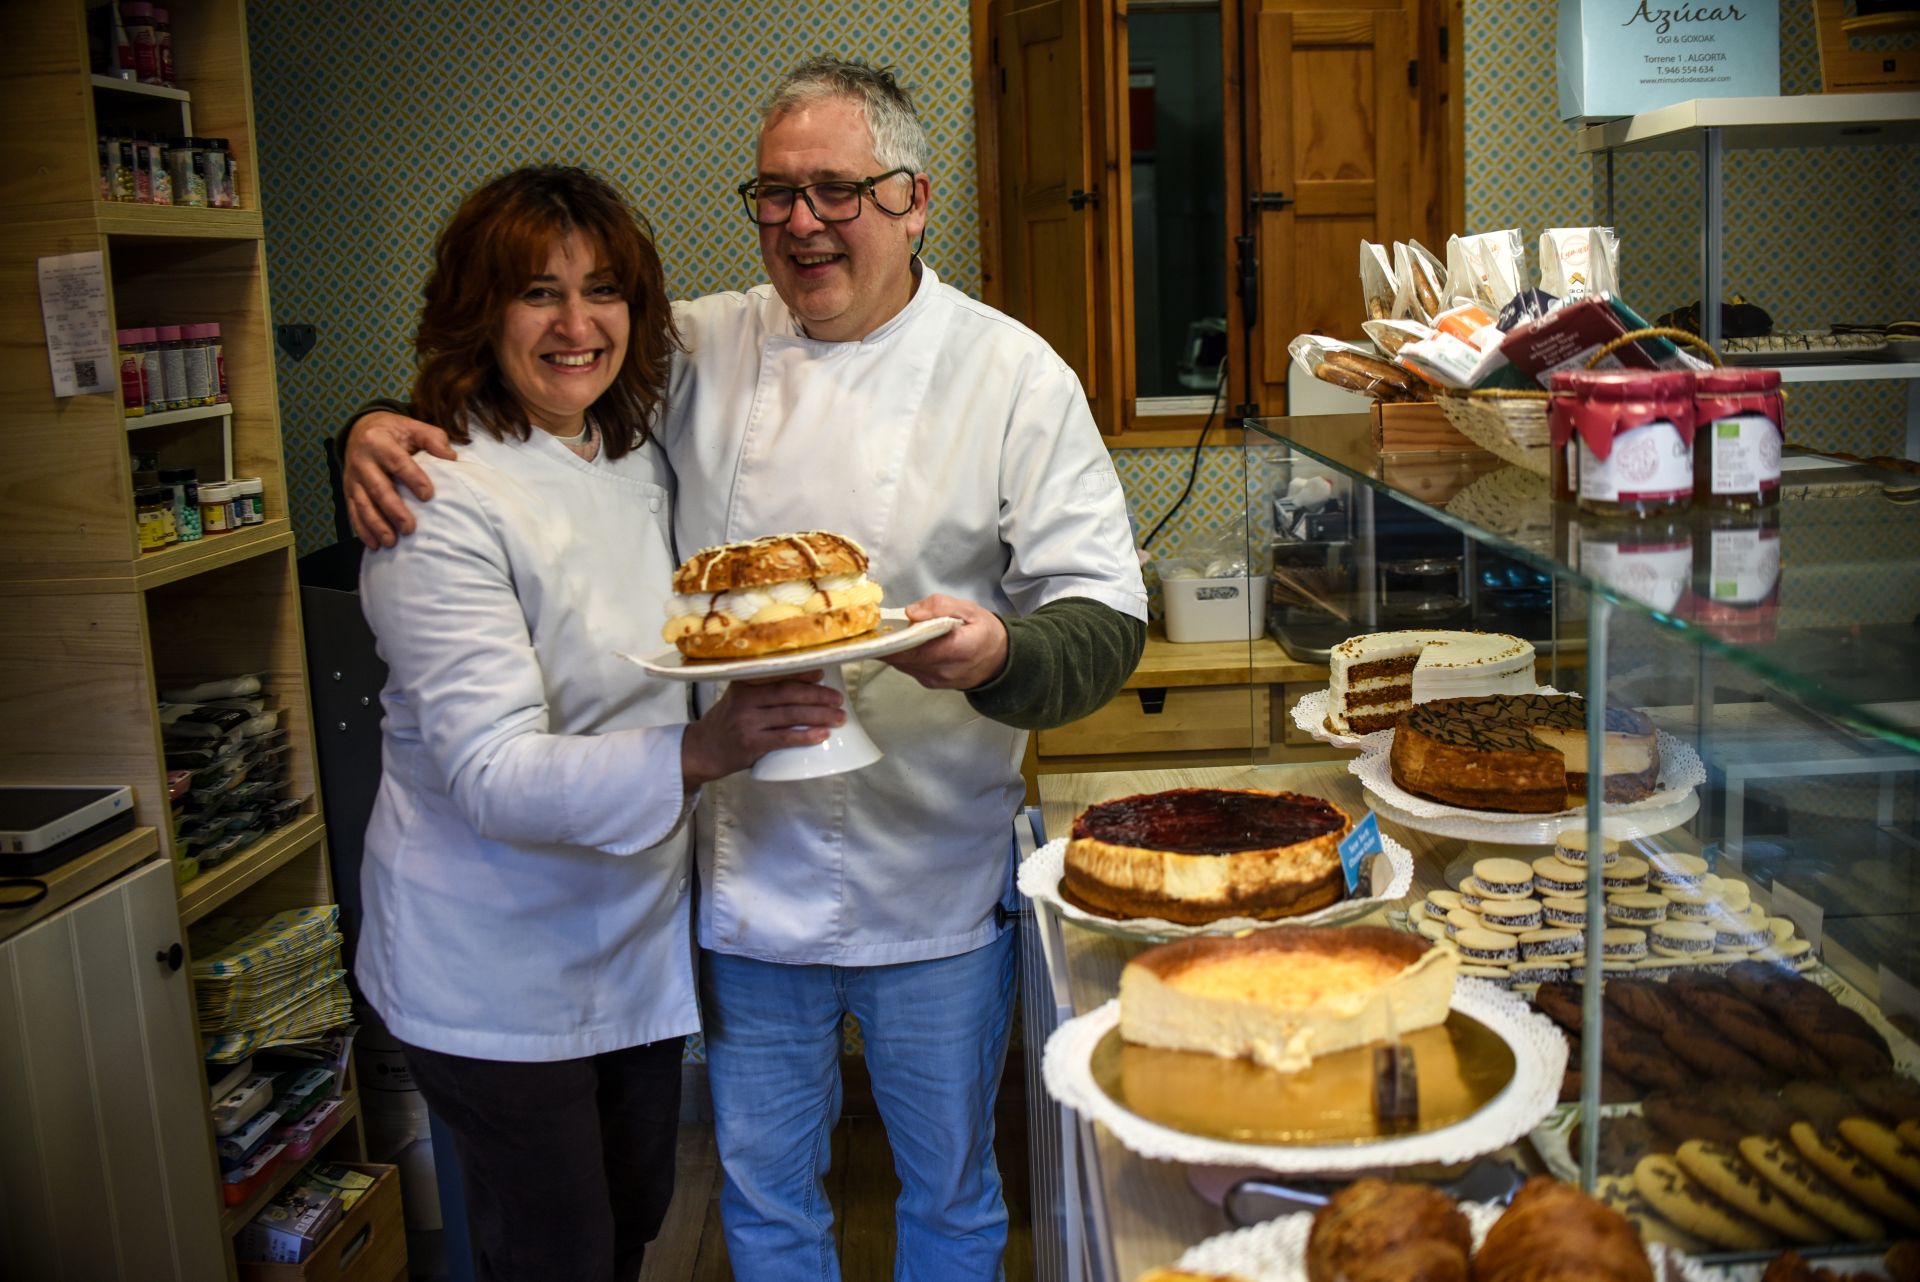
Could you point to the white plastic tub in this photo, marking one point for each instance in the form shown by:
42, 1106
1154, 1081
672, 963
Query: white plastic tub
1215, 609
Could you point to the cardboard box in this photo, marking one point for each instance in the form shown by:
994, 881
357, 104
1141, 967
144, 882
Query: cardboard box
1623, 57
369, 1244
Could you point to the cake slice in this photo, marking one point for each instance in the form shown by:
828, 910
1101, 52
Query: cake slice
1285, 995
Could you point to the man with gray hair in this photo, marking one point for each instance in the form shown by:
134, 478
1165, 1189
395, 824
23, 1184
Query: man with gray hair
857, 393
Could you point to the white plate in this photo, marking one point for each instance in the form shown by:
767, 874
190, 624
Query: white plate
1276, 1251
1040, 875
1539, 1060
892, 636
1538, 830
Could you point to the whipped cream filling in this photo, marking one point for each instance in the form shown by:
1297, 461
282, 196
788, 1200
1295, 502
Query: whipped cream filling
771, 602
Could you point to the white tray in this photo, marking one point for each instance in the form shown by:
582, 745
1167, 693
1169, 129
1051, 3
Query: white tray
1041, 873
1276, 1251
1539, 1059
1516, 830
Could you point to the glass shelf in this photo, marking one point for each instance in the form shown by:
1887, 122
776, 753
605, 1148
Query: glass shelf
1839, 630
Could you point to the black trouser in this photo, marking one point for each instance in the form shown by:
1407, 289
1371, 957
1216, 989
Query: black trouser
567, 1165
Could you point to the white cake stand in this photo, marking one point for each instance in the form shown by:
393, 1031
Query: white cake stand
847, 746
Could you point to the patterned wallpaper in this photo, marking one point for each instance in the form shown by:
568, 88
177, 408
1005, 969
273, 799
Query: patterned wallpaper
374, 116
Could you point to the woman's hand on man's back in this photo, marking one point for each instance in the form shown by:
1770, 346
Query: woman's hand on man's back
380, 448
752, 719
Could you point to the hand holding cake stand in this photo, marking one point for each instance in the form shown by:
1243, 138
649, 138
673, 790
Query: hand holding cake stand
848, 746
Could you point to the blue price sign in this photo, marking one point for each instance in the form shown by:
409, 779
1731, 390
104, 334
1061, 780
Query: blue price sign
1357, 847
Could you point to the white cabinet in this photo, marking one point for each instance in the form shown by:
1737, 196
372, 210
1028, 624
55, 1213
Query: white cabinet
103, 1103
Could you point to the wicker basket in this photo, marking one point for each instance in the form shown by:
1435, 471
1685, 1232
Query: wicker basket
1513, 424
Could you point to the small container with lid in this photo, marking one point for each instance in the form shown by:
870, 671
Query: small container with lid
153, 510
1742, 431
153, 369
189, 183
173, 365
250, 499
133, 374
196, 352
219, 349
1737, 574
216, 508
184, 485
1623, 440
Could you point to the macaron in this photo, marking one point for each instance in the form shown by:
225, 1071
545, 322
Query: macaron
1471, 896
1781, 928
1503, 878
1459, 919
1511, 916
1630, 873
1571, 912
1540, 945
1690, 905
1675, 870
1538, 972
1682, 939
1623, 944
1731, 937
1571, 846
1736, 894
1486, 948
1443, 899
1636, 908
1553, 876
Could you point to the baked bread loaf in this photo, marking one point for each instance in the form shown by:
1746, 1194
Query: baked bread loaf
1284, 995
1373, 1231
767, 595
1196, 855
1554, 1231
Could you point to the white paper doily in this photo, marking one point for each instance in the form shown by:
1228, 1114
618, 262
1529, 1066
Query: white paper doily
1681, 771
1041, 871
1539, 1060
1276, 1251
1310, 714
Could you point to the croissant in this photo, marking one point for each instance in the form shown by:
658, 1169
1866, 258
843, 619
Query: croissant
1552, 1232
1373, 1231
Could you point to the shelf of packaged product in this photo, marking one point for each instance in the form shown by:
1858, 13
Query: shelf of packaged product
178, 222
1806, 120
166, 417
211, 551
135, 87
81, 876
234, 1218
216, 886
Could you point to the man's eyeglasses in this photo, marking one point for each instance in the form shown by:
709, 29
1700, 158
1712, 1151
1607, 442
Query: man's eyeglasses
771, 204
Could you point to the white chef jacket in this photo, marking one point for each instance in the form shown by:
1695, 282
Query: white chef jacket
958, 449
526, 871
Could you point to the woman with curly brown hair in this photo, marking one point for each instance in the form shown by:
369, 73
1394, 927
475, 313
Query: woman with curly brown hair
526, 876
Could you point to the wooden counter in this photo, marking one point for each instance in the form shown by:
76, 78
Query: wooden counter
1214, 663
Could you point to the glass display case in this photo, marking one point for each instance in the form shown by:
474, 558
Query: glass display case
1772, 656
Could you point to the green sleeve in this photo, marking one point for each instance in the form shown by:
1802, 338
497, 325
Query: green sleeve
1063, 661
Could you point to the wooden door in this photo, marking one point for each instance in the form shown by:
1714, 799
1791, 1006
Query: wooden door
1052, 202
107, 1164
1338, 151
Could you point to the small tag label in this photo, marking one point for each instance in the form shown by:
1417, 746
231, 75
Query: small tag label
1899, 1000
1799, 910
1357, 847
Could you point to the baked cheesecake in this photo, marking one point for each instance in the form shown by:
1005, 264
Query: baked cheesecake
1284, 995
1196, 855
1525, 753
1376, 677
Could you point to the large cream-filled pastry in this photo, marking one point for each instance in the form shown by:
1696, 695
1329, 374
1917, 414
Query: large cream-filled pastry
781, 592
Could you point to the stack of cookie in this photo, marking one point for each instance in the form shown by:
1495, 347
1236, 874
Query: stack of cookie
1524, 922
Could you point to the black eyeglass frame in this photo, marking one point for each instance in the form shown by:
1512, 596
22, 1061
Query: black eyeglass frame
865, 190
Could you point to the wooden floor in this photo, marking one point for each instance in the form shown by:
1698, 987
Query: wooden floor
860, 1183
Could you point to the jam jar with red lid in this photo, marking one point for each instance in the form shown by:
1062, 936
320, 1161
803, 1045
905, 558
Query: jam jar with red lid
1742, 430
1623, 440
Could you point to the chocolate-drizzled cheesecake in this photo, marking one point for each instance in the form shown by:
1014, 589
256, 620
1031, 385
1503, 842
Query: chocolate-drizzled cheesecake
1520, 752
1195, 855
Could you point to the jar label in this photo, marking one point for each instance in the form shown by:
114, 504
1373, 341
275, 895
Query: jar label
1743, 566
1650, 461
1655, 574
1745, 454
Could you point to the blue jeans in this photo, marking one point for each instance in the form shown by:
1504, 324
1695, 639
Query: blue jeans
936, 1041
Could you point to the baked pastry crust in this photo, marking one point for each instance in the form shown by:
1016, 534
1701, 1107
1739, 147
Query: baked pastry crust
1373, 1231
1284, 995
776, 558
1517, 752
721, 637
1196, 855
1553, 1230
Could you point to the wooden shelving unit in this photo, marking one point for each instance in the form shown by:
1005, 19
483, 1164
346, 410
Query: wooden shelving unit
91, 629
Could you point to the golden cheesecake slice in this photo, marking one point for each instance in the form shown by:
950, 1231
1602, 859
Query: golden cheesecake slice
1287, 994
1196, 855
